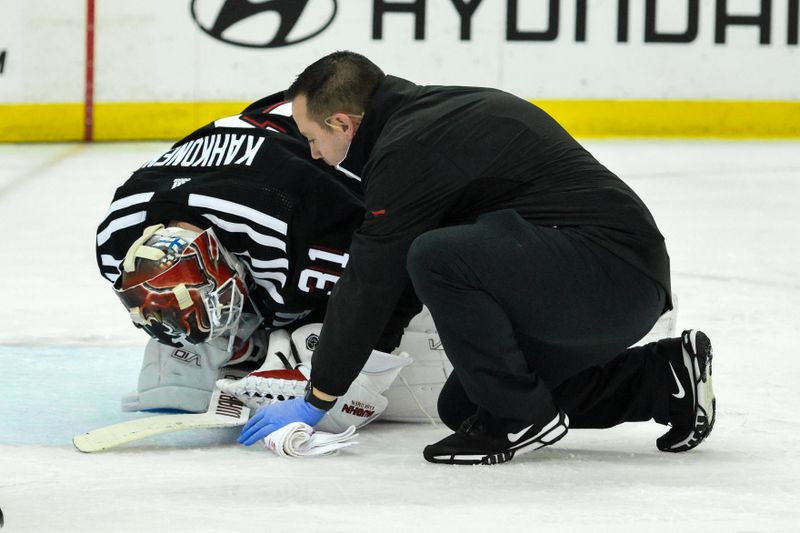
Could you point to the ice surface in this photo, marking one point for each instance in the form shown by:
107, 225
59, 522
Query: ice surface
729, 211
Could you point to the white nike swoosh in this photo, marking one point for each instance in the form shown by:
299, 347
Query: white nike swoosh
681, 393
514, 437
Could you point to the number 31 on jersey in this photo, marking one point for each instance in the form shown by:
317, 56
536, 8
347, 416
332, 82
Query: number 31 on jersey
325, 271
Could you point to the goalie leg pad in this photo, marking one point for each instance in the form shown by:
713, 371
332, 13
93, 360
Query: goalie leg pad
414, 394
665, 327
176, 378
422, 323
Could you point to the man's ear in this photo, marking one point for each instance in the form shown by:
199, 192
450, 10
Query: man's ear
345, 122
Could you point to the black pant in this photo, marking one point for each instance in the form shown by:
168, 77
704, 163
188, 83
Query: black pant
536, 317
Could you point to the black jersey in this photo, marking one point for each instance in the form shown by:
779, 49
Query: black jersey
441, 156
288, 219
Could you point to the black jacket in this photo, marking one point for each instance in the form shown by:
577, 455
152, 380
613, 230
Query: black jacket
439, 156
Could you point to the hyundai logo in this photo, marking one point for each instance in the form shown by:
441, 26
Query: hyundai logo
264, 23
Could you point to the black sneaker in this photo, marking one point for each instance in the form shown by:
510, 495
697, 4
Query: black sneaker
472, 444
692, 405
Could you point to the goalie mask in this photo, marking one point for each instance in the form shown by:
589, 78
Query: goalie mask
178, 284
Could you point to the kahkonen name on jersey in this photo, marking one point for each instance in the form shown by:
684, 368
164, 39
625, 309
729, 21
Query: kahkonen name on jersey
211, 151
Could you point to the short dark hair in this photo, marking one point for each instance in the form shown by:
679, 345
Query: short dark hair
341, 82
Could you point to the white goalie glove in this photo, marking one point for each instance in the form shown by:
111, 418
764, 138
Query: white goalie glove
276, 380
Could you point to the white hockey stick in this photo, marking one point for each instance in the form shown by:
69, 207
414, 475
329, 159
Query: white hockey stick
224, 411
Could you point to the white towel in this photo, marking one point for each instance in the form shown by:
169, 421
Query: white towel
300, 440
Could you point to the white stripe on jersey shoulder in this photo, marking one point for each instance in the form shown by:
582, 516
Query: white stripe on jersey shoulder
271, 290
232, 208
128, 201
233, 122
120, 223
260, 276
286, 316
293, 316
109, 260
285, 109
277, 276
235, 227
260, 263
284, 319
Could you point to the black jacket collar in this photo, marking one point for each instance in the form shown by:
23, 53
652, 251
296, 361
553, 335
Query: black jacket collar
391, 94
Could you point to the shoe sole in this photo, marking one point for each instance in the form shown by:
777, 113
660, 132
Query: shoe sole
697, 357
550, 434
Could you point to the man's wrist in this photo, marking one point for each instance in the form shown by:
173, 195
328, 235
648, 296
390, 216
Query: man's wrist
319, 399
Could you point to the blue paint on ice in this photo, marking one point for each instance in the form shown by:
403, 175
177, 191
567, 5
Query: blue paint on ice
49, 394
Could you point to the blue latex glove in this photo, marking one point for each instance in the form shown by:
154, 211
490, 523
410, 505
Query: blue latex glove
271, 417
